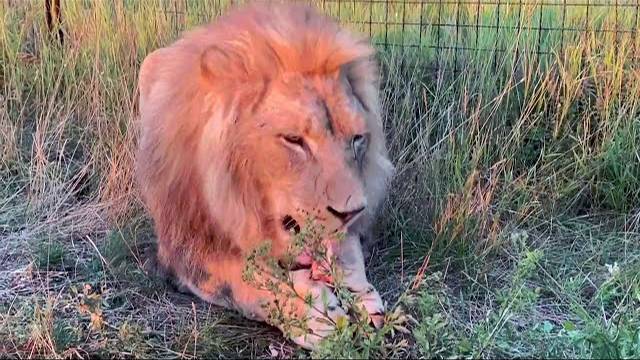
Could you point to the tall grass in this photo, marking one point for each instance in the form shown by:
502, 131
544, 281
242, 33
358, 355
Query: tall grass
562, 134
512, 139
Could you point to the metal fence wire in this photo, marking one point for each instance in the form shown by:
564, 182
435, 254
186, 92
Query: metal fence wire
456, 28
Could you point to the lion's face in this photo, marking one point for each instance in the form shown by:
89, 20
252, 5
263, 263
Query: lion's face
248, 133
308, 144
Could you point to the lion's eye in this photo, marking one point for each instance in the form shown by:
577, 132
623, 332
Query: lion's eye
294, 140
359, 145
296, 144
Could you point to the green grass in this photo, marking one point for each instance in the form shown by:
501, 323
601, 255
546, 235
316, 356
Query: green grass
547, 303
513, 227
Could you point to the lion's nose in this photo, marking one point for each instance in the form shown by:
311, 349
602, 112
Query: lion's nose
345, 215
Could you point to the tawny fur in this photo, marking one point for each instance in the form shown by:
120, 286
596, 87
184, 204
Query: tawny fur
215, 171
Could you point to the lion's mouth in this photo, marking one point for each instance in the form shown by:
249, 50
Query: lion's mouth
288, 223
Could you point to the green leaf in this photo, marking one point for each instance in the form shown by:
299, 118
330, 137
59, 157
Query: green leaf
568, 325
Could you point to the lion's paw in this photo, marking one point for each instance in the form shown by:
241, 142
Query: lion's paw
370, 299
324, 312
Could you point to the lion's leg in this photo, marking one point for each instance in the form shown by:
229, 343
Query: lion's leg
366, 243
153, 266
225, 287
350, 260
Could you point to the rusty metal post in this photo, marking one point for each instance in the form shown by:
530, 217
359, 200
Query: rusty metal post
53, 18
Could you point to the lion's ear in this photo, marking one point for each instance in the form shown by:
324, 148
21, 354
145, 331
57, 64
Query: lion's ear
218, 65
360, 78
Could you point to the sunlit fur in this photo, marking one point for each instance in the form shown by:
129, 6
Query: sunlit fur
214, 165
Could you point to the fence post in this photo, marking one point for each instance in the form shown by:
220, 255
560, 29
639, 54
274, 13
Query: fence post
53, 18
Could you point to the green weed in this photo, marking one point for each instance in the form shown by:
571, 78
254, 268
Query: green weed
49, 255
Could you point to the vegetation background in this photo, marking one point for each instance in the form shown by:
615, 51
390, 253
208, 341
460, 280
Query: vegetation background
513, 227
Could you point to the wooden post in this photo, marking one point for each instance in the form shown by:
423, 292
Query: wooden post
53, 17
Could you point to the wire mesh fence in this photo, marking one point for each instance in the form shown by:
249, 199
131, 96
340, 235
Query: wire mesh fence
450, 31
462, 28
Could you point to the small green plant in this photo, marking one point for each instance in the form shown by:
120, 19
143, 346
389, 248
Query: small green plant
49, 255
65, 335
354, 337
439, 333
435, 334
131, 339
617, 336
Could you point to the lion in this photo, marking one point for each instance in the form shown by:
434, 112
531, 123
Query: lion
246, 125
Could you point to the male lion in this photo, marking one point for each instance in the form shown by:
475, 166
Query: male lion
247, 125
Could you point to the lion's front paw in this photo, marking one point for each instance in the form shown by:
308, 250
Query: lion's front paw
323, 312
369, 298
